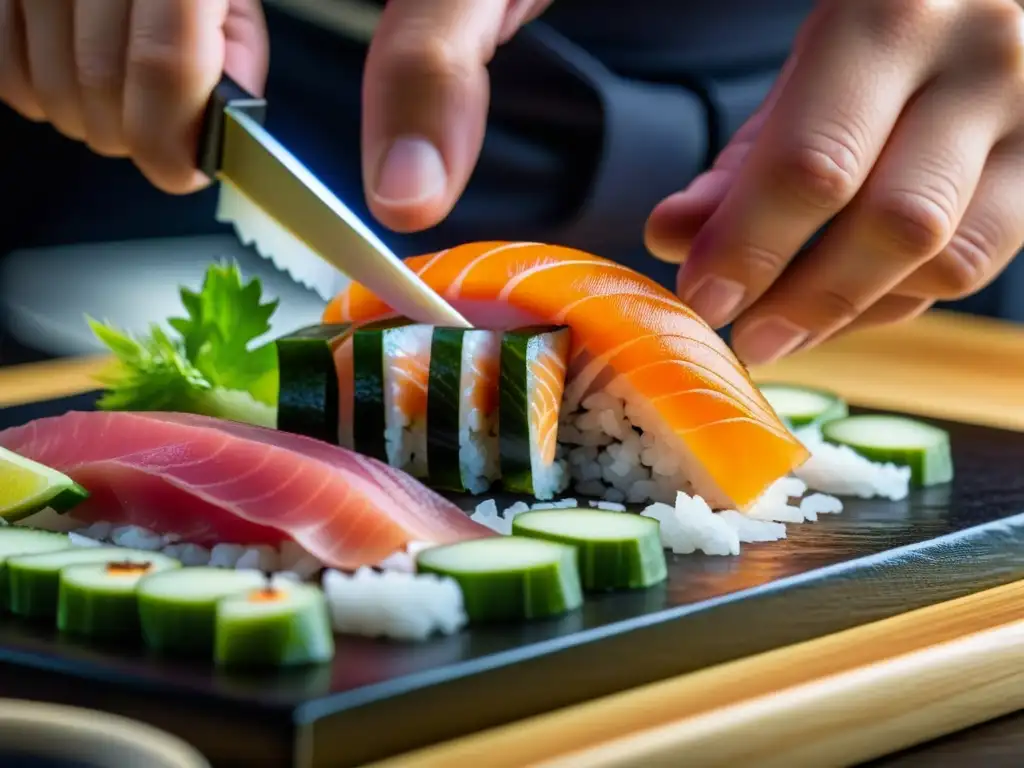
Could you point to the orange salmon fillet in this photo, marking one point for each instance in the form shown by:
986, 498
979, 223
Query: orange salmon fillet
626, 325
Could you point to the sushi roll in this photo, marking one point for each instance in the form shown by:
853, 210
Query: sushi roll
654, 401
178, 608
308, 397
277, 625
33, 581
390, 375
533, 367
97, 600
462, 409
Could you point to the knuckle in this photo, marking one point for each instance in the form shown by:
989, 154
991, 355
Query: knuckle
156, 60
428, 57
759, 263
823, 172
834, 307
918, 221
97, 71
892, 23
1002, 57
961, 269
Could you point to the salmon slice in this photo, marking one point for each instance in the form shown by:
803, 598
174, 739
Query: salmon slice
547, 384
211, 481
629, 334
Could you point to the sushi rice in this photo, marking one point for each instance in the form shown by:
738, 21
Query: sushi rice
406, 433
478, 431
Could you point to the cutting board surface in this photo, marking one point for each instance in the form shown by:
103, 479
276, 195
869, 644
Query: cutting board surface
876, 559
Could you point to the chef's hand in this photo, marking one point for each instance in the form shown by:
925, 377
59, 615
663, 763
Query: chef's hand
130, 78
425, 97
904, 120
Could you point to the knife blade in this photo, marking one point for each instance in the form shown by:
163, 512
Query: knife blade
237, 150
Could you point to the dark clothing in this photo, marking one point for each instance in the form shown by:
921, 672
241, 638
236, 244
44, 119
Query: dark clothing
597, 113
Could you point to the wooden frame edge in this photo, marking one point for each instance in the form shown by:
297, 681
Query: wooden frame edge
837, 700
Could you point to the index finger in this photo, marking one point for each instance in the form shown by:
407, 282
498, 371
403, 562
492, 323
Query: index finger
814, 152
425, 96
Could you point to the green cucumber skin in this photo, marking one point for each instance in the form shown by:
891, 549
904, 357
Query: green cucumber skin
171, 627
927, 467
838, 410
609, 565
269, 641
513, 408
308, 398
177, 629
509, 596
58, 545
115, 617
368, 422
443, 403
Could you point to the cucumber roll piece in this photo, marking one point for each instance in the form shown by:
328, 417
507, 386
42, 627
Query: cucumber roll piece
178, 609
533, 369
390, 371
899, 440
802, 406
462, 409
97, 600
614, 550
33, 581
26, 487
509, 578
277, 625
308, 396
26, 541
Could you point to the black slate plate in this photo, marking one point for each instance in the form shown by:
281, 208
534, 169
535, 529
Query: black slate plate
875, 560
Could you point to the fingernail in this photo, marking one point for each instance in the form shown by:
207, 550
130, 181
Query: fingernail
768, 340
412, 172
715, 299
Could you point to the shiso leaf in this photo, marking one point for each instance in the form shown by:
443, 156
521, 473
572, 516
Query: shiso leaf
209, 368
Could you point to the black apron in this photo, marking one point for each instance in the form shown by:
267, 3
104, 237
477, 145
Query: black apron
598, 112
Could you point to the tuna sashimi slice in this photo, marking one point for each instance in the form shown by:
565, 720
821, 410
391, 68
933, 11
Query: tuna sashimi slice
212, 481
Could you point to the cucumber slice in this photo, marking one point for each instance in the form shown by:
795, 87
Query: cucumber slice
178, 609
462, 410
26, 541
308, 389
533, 368
509, 578
97, 600
897, 439
615, 550
27, 487
369, 423
277, 625
33, 581
803, 406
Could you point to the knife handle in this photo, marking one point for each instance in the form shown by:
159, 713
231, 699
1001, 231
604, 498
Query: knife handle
227, 95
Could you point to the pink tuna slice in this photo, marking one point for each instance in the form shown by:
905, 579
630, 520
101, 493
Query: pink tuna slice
211, 481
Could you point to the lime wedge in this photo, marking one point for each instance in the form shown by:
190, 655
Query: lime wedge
27, 486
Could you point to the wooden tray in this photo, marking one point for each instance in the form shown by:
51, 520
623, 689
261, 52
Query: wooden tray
876, 560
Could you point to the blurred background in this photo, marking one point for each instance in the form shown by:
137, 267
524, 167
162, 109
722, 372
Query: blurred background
596, 115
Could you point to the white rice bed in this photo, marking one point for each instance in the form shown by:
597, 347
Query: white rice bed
688, 524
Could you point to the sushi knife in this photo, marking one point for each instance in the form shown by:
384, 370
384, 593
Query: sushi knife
235, 147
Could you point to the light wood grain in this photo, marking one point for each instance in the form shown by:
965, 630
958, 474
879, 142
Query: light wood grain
44, 381
942, 364
836, 701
